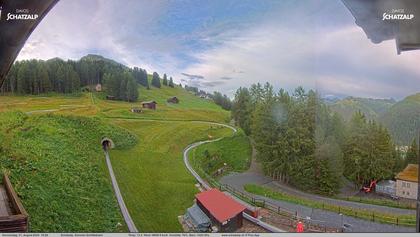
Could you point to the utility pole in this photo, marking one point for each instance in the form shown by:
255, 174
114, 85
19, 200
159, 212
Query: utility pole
418, 190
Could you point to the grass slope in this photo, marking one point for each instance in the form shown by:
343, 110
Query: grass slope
80, 104
190, 107
58, 169
154, 181
403, 119
372, 108
235, 151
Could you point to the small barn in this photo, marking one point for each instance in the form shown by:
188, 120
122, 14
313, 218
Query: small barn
110, 97
136, 110
149, 104
98, 87
223, 211
173, 100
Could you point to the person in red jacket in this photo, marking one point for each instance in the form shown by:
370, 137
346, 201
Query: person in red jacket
299, 227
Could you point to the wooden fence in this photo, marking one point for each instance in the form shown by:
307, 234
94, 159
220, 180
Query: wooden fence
289, 217
18, 221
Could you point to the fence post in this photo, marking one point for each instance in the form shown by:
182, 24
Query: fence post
397, 220
339, 209
278, 210
296, 214
323, 206
373, 216
263, 203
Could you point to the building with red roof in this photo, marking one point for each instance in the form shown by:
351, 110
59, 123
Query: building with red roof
223, 210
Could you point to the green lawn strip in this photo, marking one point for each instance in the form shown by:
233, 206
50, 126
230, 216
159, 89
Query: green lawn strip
379, 202
154, 181
408, 220
234, 150
58, 169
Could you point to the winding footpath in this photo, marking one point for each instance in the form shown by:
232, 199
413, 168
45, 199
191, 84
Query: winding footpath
207, 186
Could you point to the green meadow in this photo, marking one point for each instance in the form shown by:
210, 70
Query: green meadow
58, 170
50, 146
154, 181
234, 151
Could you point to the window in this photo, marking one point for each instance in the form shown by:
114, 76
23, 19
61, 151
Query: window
405, 184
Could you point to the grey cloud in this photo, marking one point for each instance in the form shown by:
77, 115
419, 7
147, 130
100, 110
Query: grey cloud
212, 83
226, 78
192, 76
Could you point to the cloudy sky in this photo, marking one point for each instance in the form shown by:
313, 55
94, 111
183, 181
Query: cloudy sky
223, 44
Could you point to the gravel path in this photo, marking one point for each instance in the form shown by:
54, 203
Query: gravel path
332, 219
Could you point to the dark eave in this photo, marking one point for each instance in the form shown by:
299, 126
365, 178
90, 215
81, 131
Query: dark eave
14, 33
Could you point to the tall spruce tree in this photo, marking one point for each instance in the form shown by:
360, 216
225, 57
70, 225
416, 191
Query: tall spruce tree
412, 153
171, 83
132, 89
156, 80
165, 80
241, 109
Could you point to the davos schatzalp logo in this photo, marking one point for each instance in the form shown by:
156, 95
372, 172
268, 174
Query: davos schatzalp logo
21, 14
397, 14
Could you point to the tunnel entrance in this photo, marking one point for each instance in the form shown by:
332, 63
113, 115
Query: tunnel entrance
107, 143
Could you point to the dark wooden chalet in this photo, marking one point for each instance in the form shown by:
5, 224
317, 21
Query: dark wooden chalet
223, 211
13, 217
173, 100
149, 104
110, 97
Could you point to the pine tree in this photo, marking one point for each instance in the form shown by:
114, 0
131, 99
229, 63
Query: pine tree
122, 95
156, 80
45, 83
132, 90
241, 109
165, 80
171, 82
111, 84
412, 153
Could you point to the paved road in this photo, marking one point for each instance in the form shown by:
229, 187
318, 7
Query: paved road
332, 219
130, 224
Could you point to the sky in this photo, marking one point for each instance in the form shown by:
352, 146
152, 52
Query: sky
221, 45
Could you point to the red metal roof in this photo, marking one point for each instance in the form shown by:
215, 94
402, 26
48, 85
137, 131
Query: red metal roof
221, 206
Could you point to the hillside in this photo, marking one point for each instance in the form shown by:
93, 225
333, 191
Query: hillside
403, 119
47, 141
189, 108
372, 108
57, 168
